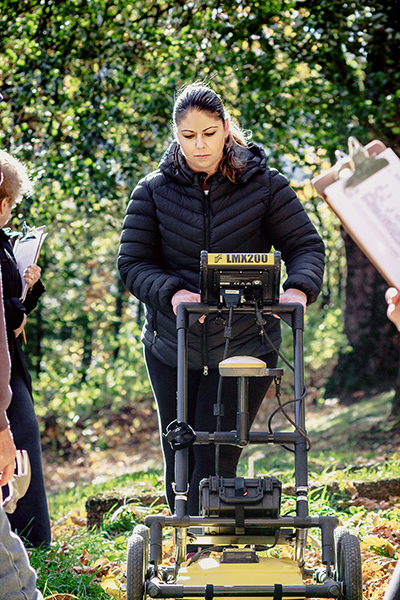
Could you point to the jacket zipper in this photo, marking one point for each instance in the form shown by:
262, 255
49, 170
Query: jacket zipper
207, 244
155, 334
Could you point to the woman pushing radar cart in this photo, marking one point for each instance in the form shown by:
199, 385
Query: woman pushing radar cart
240, 518
214, 198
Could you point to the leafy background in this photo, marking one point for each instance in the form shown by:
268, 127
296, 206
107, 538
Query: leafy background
89, 87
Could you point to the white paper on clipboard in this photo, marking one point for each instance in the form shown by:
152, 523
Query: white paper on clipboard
26, 251
370, 212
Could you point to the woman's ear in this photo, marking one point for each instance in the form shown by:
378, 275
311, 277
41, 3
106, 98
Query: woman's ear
4, 205
226, 127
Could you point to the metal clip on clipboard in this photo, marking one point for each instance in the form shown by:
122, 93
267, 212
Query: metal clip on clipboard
363, 164
26, 233
359, 164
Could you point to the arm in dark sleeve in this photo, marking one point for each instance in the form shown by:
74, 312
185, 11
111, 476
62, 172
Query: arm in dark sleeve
14, 312
33, 296
5, 392
293, 234
139, 259
15, 309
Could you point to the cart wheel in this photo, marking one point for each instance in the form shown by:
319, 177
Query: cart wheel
349, 567
135, 568
144, 532
339, 534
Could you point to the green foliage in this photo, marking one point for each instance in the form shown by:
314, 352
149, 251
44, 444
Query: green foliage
108, 381
121, 520
126, 517
89, 88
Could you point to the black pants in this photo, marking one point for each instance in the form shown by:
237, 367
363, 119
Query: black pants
202, 395
31, 518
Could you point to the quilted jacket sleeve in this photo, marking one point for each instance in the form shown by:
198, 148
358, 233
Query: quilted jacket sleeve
293, 234
5, 392
139, 259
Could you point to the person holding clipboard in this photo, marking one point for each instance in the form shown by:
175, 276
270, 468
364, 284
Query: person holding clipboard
31, 518
365, 198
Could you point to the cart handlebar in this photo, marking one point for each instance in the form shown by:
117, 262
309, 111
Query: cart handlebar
290, 312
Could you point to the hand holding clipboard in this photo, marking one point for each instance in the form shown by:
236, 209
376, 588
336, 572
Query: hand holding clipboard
26, 251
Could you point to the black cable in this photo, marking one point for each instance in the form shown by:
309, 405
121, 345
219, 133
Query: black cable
268, 339
208, 550
281, 408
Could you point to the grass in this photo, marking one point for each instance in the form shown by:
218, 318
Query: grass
56, 576
79, 561
74, 499
342, 438
348, 443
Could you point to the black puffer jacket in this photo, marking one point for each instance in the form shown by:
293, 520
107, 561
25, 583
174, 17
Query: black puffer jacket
170, 219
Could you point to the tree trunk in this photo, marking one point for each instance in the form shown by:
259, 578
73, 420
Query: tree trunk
39, 337
119, 301
87, 347
372, 364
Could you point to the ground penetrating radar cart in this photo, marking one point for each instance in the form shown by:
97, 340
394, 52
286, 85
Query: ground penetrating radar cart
240, 518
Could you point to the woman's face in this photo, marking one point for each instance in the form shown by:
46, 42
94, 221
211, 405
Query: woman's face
201, 136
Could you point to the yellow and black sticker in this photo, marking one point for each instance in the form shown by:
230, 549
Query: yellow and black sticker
231, 259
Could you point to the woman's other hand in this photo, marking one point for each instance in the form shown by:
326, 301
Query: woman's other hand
185, 296
393, 311
20, 328
293, 295
32, 275
7, 457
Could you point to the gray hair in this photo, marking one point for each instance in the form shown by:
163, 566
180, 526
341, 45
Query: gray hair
14, 179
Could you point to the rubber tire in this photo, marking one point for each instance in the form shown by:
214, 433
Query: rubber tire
144, 532
135, 568
349, 567
338, 534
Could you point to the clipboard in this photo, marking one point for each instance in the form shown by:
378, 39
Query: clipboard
363, 190
26, 251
